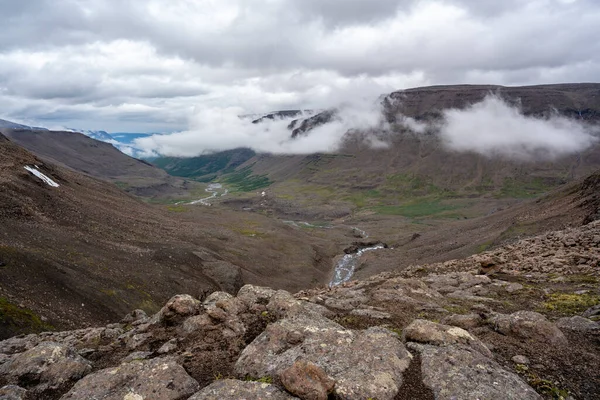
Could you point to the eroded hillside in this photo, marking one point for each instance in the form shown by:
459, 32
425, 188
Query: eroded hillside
515, 323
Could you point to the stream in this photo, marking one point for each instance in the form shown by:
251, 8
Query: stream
347, 265
213, 189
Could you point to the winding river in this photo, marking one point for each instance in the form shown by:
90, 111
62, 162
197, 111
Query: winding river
213, 189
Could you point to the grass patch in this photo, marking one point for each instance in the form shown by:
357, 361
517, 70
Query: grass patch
243, 180
416, 209
570, 303
264, 379
177, 208
484, 246
513, 188
20, 320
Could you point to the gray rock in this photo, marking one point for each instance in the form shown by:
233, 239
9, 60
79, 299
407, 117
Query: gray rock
370, 313
12, 392
168, 347
518, 359
252, 295
137, 356
177, 309
47, 367
423, 331
135, 315
592, 312
215, 297
226, 274
231, 389
363, 363
578, 324
157, 379
466, 321
462, 373
528, 325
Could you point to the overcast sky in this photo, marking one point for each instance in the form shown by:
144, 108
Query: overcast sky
148, 66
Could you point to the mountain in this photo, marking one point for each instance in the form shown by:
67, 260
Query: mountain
13, 125
99, 159
416, 175
84, 252
125, 146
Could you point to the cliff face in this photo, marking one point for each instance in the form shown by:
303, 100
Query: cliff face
578, 100
518, 322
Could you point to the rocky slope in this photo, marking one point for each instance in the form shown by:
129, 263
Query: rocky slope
100, 160
518, 322
85, 252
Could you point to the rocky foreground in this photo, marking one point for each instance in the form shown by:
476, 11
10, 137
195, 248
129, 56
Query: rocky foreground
519, 322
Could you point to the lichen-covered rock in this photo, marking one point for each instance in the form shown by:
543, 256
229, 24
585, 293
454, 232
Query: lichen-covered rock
364, 364
13, 392
135, 315
423, 331
528, 325
157, 379
578, 324
177, 309
453, 372
231, 389
252, 295
47, 368
307, 381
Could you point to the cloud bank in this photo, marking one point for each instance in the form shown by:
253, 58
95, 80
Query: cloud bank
492, 128
142, 66
218, 129
495, 128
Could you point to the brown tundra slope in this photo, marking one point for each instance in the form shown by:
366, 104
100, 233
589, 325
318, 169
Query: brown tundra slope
86, 252
518, 322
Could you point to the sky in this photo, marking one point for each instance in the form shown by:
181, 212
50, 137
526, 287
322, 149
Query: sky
160, 65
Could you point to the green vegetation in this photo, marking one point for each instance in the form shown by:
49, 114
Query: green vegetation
418, 209
570, 303
177, 208
205, 168
20, 320
264, 379
244, 181
514, 188
542, 386
484, 246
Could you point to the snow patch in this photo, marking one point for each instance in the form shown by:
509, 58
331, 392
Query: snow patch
34, 170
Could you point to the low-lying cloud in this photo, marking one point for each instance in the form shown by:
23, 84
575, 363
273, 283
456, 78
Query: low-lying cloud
219, 129
491, 127
495, 128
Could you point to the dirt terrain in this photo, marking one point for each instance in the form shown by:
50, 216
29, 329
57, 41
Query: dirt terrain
85, 252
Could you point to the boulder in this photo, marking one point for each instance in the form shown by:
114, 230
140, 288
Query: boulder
453, 372
12, 392
47, 368
578, 324
252, 295
231, 389
423, 331
364, 364
528, 325
156, 379
465, 321
307, 381
177, 309
227, 275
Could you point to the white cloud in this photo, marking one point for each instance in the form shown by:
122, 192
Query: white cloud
494, 128
92, 59
218, 129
